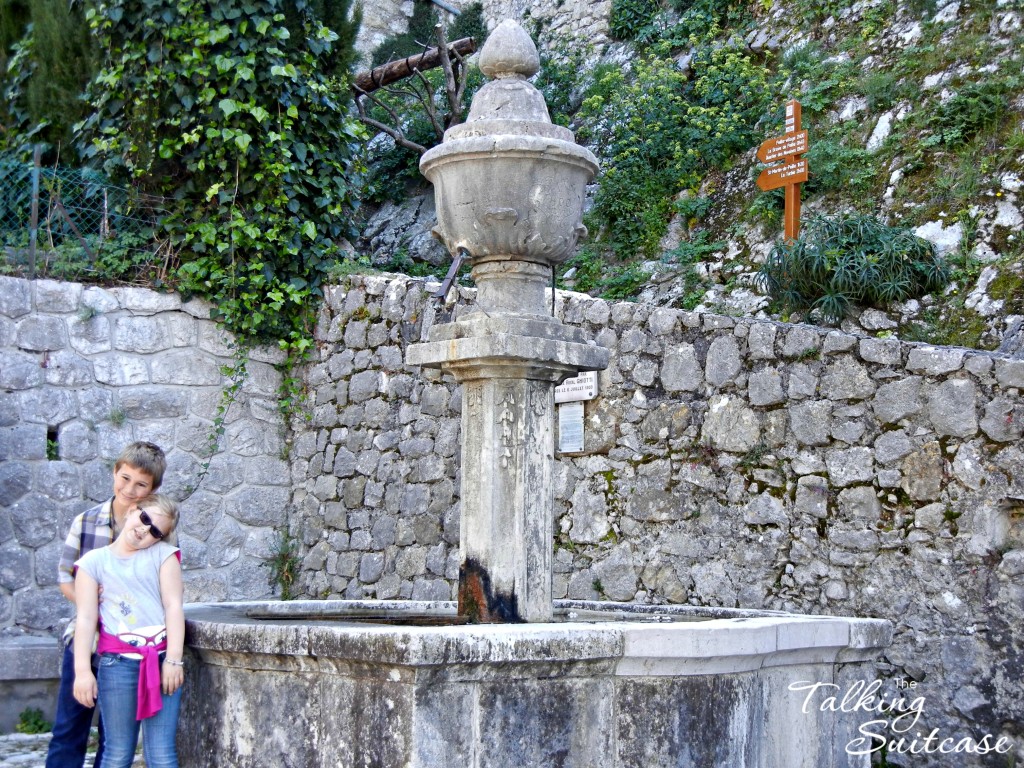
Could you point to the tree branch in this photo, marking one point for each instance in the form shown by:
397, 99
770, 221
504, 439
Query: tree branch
450, 81
367, 82
394, 133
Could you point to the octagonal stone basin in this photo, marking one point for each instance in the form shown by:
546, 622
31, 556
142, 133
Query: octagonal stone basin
402, 683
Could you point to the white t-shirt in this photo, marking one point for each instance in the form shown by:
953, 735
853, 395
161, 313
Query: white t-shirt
130, 604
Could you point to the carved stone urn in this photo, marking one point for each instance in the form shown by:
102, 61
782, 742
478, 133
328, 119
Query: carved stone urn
509, 185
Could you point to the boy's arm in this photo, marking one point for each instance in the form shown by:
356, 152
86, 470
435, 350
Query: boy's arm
71, 552
87, 599
172, 594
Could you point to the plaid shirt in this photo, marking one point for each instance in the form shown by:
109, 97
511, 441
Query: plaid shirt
90, 530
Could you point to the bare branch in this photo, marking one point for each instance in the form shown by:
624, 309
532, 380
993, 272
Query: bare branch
450, 82
394, 133
428, 105
457, 115
367, 82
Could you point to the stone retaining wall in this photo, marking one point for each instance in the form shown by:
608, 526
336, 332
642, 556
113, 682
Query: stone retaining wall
85, 371
728, 462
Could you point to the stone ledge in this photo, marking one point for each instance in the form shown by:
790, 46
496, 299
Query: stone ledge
29, 658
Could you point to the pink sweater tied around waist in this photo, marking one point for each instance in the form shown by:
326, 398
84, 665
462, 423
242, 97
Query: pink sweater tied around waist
150, 699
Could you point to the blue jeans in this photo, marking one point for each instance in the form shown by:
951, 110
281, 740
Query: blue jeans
72, 721
118, 683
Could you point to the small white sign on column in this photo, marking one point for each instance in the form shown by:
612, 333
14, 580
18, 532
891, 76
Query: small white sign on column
570, 427
570, 395
581, 387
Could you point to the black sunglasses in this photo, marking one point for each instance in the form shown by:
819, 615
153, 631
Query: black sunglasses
148, 522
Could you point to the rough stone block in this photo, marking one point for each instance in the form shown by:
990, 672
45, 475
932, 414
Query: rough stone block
935, 361
850, 466
881, 351
765, 387
1010, 373
952, 408
846, 379
812, 494
892, 446
41, 333
764, 510
1003, 420
15, 296
811, 422
723, 361
681, 371
898, 400
52, 296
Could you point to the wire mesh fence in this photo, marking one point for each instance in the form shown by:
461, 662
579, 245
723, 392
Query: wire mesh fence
73, 224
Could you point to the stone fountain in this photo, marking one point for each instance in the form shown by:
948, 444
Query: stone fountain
509, 188
506, 677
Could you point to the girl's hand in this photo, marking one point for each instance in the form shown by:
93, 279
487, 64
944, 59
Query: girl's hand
172, 677
85, 689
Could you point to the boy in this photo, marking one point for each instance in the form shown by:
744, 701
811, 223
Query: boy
138, 472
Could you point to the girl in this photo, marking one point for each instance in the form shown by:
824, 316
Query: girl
135, 587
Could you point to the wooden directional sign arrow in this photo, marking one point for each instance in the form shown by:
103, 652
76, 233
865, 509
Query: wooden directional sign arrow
792, 172
781, 175
781, 146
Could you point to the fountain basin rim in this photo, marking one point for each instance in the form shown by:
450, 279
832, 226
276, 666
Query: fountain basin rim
632, 644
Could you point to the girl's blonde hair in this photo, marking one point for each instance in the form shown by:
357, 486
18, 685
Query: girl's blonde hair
165, 505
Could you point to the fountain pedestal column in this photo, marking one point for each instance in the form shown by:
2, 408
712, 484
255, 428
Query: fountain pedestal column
509, 188
508, 414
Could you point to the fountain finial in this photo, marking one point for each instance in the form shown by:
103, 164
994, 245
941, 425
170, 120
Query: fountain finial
509, 52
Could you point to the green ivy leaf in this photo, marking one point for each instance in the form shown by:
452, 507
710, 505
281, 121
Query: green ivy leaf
229, 107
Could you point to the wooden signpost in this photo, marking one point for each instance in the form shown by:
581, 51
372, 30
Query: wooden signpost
792, 172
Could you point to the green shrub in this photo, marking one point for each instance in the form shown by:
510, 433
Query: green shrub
660, 132
53, 57
566, 79
420, 34
836, 167
975, 107
840, 262
698, 17
470, 23
599, 274
630, 19
418, 37
32, 720
825, 80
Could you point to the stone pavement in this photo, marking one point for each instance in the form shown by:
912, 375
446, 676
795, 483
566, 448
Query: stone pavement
22, 750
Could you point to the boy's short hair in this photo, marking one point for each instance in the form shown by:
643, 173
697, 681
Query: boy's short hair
148, 457
167, 506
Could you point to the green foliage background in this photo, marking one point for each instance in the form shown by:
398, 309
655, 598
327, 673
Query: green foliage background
229, 112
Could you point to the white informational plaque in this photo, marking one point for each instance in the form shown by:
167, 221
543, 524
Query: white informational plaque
570, 427
581, 387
